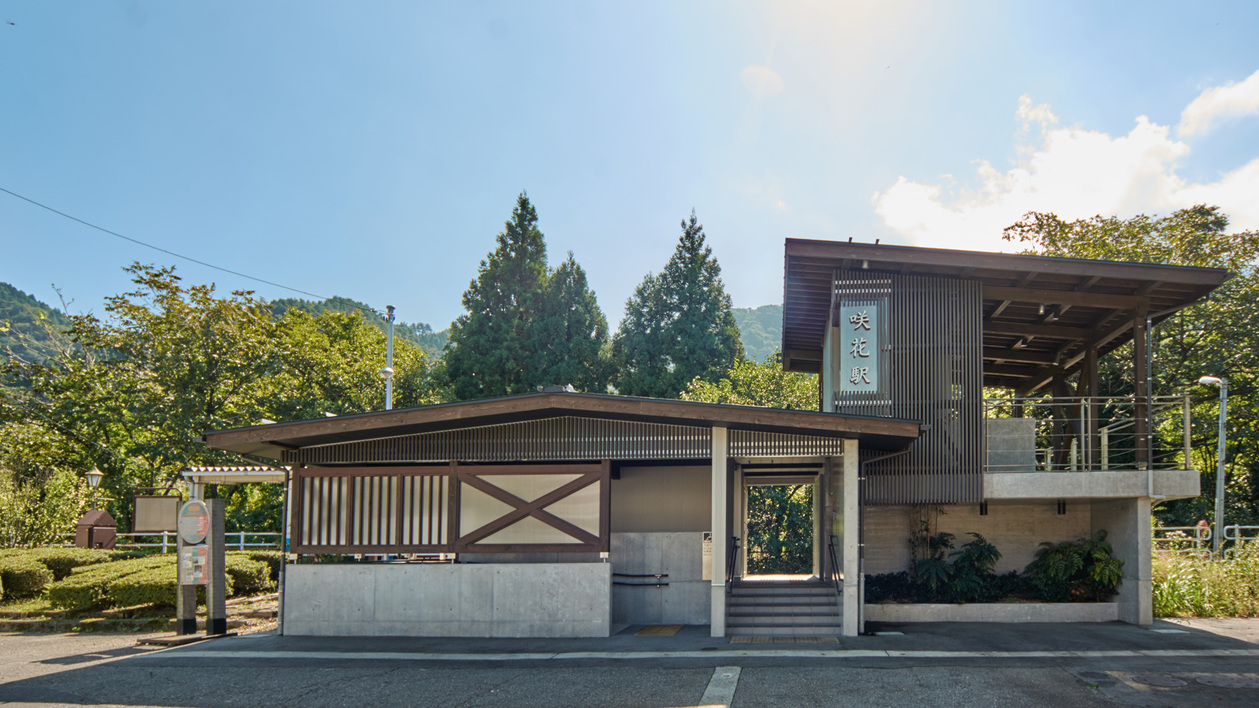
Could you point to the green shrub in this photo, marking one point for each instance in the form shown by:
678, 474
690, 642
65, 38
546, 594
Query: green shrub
23, 577
62, 561
273, 559
971, 576
88, 587
1076, 571
890, 586
247, 577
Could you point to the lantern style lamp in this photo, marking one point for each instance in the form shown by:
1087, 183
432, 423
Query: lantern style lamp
94, 480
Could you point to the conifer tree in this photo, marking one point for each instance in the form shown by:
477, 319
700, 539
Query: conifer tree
571, 332
526, 326
677, 325
489, 353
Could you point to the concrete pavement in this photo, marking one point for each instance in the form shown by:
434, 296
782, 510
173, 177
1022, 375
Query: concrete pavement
1173, 664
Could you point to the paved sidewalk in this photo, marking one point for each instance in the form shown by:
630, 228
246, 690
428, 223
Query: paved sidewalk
1180, 640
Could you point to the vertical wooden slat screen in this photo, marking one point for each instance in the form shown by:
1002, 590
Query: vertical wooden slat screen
930, 371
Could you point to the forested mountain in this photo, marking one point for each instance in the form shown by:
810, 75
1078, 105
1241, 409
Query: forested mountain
761, 329
419, 333
22, 332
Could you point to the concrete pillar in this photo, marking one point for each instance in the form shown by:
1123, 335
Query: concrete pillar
1127, 525
854, 614
720, 527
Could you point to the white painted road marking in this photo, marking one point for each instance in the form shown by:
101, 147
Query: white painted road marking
729, 653
720, 691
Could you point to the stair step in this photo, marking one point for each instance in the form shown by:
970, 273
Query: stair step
783, 620
778, 611
784, 631
783, 592
782, 599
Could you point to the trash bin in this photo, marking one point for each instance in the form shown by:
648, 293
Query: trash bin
97, 529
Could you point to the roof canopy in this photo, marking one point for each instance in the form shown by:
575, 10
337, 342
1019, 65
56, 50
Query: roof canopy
269, 441
1040, 314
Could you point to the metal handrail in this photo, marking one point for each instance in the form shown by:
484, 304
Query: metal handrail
730, 561
834, 574
1091, 433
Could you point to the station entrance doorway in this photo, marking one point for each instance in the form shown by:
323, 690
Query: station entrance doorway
781, 511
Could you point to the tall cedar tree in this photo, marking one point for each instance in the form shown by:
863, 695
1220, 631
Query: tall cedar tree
525, 326
571, 331
678, 325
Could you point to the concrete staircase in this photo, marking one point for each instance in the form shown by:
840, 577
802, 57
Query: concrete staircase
783, 608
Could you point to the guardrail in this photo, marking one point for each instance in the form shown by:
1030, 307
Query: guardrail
168, 544
1195, 540
1081, 434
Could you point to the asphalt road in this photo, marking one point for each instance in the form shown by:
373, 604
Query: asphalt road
1213, 663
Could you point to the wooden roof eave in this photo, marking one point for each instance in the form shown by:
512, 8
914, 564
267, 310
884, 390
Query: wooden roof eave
269, 441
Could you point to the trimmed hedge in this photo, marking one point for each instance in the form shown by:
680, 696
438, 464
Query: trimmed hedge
88, 587
23, 577
273, 559
149, 581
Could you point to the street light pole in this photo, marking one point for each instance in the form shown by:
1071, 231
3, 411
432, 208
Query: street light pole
1218, 537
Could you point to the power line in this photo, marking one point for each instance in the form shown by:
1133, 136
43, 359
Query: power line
158, 248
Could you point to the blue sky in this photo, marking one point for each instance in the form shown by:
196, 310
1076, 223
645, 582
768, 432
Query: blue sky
374, 150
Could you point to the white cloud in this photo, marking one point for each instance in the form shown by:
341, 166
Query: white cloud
762, 81
1073, 172
1221, 101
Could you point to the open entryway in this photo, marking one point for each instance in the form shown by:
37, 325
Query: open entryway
784, 588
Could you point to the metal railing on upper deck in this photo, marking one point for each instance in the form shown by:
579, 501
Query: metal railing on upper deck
1086, 433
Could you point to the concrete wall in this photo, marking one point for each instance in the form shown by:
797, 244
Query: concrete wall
659, 516
1017, 530
647, 499
456, 600
679, 555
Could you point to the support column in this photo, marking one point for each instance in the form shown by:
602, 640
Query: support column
216, 589
1127, 526
720, 526
1140, 374
854, 613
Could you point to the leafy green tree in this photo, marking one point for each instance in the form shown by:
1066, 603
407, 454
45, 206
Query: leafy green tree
751, 383
780, 529
677, 325
571, 331
1218, 337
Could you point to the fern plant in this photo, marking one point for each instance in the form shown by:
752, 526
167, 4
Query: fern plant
1076, 571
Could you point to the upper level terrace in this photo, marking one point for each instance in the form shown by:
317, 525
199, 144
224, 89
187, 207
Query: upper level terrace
926, 334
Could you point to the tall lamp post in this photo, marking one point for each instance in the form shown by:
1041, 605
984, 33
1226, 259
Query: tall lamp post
94, 481
1218, 537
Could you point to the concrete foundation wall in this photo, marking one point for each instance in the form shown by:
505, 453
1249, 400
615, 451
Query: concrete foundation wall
686, 599
1017, 530
996, 612
456, 600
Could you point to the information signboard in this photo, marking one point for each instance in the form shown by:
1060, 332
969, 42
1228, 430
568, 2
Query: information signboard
193, 563
194, 521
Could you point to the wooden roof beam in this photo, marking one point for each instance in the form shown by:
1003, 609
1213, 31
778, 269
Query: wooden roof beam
1064, 297
1046, 375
